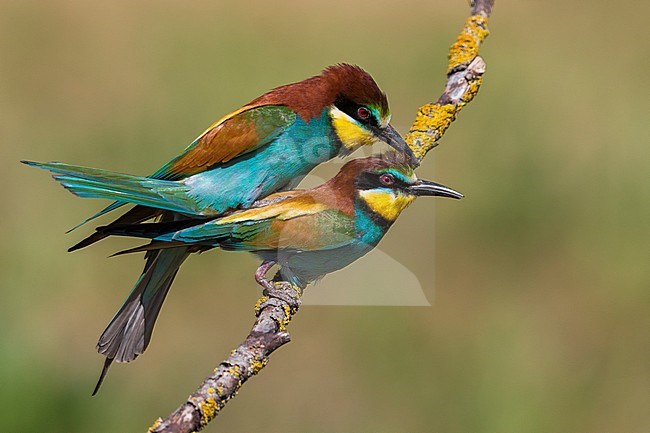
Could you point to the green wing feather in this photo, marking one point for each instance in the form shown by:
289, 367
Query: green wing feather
237, 133
240, 132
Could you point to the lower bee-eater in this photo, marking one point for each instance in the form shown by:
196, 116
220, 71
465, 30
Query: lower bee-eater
307, 233
261, 148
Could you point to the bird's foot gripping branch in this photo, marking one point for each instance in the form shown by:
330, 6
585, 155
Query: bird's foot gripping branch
274, 311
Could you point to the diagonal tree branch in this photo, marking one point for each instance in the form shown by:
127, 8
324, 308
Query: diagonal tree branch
275, 309
464, 77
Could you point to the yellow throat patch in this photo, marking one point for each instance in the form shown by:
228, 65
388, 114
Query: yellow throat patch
386, 204
349, 131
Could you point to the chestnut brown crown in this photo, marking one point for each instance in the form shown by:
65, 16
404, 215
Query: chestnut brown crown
338, 82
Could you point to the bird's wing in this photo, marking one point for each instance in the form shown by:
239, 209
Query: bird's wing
238, 133
298, 223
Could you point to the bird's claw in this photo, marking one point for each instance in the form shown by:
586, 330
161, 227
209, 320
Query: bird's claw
260, 275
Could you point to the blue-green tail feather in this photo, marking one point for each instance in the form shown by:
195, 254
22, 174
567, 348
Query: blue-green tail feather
96, 183
107, 209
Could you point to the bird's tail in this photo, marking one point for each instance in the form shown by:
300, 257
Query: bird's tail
135, 215
129, 332
98, 183
107, 209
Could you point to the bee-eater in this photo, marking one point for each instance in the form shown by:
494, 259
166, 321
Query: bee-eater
261, 148
307, 233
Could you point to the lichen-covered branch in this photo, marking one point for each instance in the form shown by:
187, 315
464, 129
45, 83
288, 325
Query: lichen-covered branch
464, 77
275, 309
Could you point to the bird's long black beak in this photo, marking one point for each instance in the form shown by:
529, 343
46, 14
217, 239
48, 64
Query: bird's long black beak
425, 187
391, 137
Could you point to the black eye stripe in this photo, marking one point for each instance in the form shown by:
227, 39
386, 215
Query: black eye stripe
371, 180
352, 109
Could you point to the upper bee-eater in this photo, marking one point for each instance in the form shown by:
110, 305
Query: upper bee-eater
261, 148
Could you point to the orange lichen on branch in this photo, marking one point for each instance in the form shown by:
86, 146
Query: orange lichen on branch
467, 43
155, 425
257, 364
464, 78
474, 85
430, 124
259, 304
209, 409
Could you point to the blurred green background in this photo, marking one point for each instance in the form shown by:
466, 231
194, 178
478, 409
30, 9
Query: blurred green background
540, 317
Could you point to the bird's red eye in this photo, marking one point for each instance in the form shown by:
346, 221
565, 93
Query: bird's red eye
363, 113
386, 179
